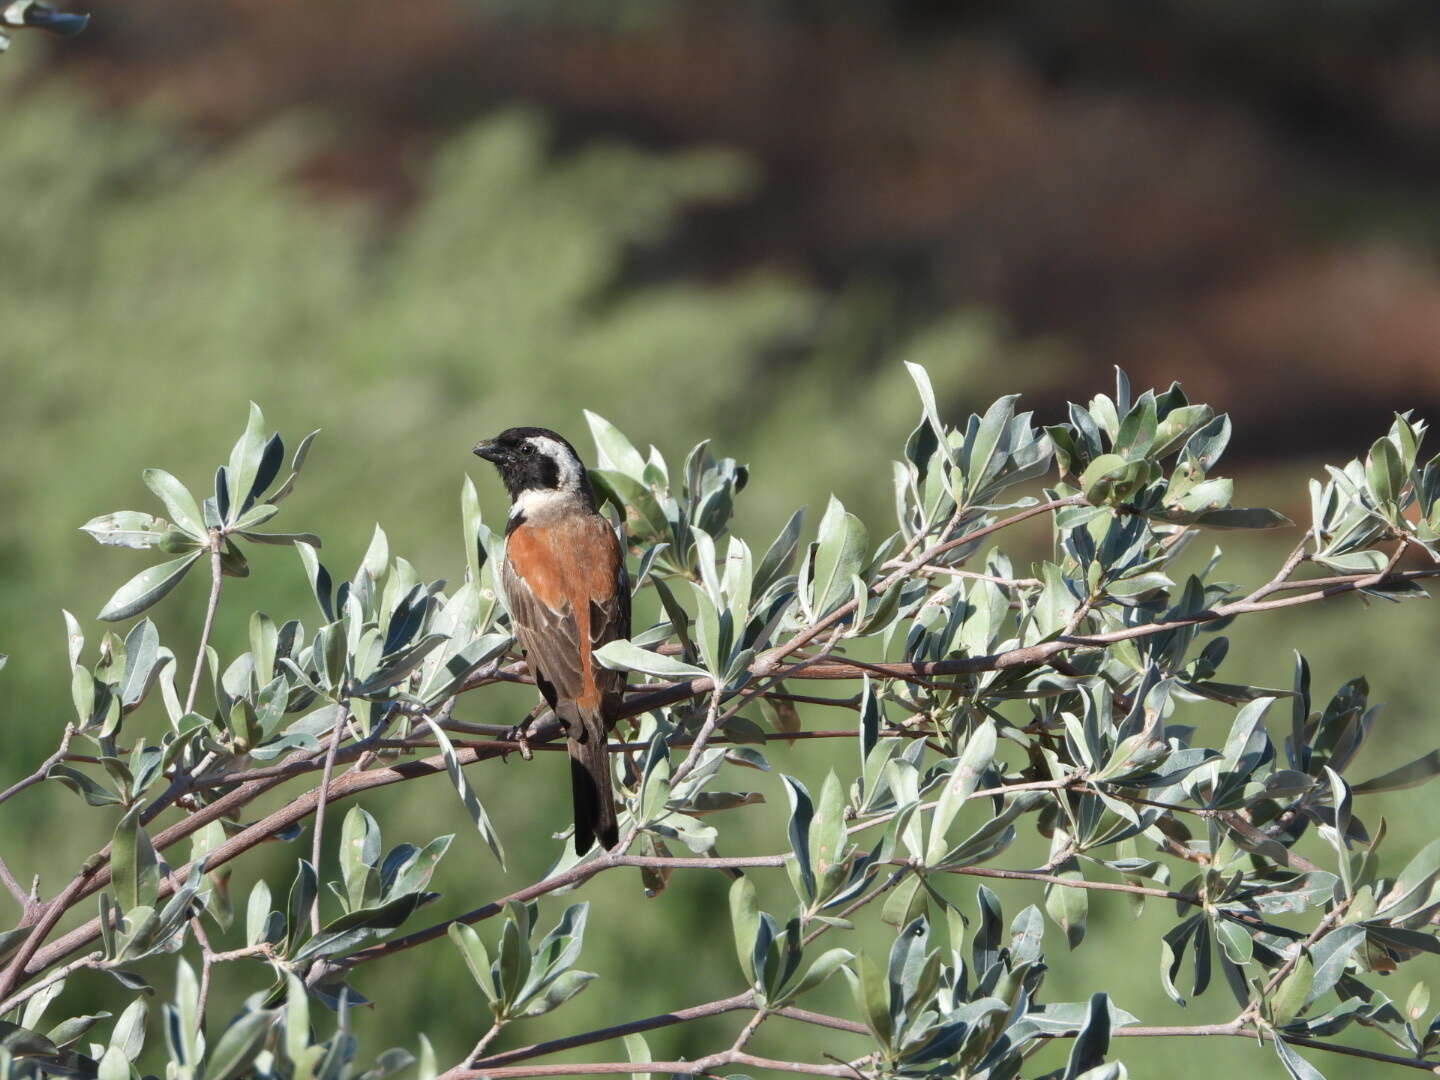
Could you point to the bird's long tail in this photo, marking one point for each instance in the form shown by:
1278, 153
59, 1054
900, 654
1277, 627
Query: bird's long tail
595, 817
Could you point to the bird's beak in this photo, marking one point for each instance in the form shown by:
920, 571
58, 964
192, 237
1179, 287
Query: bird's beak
489, 450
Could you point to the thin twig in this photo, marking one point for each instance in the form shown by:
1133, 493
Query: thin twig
15, 889
207, 961
1252, 1010
216, 580
341, 715
955, 571
699, 1067
93, 960
855, 905
712, 719
751, 1025
52, 914
790, 1012
485, 1040
650, 1023
181, 774
45, 766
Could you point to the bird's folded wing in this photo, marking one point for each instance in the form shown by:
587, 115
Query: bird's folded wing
550, 638
610, 619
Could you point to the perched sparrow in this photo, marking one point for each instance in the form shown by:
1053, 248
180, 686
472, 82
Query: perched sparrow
568, 594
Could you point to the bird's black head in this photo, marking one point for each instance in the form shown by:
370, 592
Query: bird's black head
537, 461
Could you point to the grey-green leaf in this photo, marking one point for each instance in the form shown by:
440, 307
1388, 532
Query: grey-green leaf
146, 588
126, 528
181, 505
624, 655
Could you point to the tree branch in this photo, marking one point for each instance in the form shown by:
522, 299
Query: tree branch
650, 1023
318, 840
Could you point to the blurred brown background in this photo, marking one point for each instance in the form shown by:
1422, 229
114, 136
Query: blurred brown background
417, 223
1239, 194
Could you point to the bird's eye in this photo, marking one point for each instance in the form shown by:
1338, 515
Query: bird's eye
527, 449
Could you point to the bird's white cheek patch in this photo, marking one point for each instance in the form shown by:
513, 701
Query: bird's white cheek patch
569, 468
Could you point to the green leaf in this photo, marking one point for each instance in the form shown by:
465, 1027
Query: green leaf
68, 1031
964, 779
824, 966
427, 1069
624, 655
360, 858
839, 557
180, 504
128, 1035
1384, 472
36, 1006
377, 555
245, 463
613, 450
1179, 424
297, 1027
296, 464
1295, 1065
1093, 1042
408, 869
401, 665
1417, 1004
515, 957
637, 1049
255, 516
1239, 946
281, 539
907, 902
872, 998
1111, 478
81, 784
238, 1046
1203, 449
319, 578
927, 400
1242, 517
471, 801
302, 895
134, 866
1409, 775
565, 987
1138, 430
780, 556
471, 526
707, 630
1172, 954
257, 914
827, 837
113, 1065
1292, 993
126, 528
146, 588
1330, 955
1414, 881
477, 960
802, 811
1068, 906
745, 923
142, 662
187, 1008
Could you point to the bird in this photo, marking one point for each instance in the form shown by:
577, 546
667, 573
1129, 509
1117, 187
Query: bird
568, 593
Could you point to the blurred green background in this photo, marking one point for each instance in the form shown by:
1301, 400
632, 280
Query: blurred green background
415, 225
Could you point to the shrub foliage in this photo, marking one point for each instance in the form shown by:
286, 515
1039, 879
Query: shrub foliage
982, 699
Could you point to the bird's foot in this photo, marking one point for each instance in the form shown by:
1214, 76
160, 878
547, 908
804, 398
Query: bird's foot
520, 734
